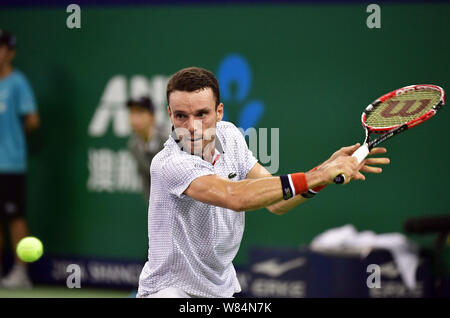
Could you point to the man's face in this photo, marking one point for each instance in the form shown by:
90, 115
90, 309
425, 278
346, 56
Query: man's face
141, 120
6, 55
194, 117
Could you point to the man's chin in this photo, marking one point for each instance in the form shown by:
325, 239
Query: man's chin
196, 149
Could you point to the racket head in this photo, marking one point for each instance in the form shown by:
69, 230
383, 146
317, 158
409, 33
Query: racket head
410, 106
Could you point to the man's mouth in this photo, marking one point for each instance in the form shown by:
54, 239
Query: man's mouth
194, 140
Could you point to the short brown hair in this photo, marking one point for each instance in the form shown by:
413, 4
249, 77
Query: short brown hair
191, 79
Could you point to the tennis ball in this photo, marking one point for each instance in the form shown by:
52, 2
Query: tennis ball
29, 249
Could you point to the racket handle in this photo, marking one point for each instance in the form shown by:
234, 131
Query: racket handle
359, 154
339, 179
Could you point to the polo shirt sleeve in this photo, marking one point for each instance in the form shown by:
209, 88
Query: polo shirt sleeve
180, 171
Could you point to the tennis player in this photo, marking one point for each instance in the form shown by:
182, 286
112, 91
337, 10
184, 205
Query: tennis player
203, 180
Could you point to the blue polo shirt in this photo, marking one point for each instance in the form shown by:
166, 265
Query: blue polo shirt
16, 100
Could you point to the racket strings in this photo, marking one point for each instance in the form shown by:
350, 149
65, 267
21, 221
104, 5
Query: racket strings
403, 108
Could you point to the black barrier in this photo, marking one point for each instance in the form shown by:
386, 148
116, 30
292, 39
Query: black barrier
272, 272
302, 273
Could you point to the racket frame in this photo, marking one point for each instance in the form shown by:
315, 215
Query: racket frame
397, 92
388, 132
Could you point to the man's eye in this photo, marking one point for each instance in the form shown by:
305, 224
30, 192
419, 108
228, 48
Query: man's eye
202, 114
179, 116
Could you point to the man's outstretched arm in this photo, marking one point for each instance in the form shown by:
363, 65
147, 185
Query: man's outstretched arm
283, 206
252, 194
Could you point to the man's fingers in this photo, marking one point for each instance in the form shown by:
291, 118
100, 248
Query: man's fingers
378, 150
370, 169
377, 161
359, 176
347, 179
351, 168
349, 150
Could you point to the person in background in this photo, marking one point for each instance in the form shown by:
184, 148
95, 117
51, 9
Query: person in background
18, 115
147, 139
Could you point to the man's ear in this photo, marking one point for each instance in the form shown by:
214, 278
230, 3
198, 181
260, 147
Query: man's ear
219, 112
169, 112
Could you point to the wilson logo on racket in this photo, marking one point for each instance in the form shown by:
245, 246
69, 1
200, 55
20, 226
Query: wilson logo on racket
396, 112
405, 111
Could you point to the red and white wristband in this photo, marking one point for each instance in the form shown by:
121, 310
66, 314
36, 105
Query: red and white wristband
295, 183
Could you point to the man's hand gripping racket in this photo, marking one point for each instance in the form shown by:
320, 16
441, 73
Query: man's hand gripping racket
396, 112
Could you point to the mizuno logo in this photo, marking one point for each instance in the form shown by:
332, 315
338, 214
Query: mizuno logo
231, 175
274, 268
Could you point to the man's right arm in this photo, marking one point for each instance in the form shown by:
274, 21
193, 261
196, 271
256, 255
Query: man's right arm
253, 194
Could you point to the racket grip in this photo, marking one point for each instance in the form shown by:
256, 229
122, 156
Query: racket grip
359, 154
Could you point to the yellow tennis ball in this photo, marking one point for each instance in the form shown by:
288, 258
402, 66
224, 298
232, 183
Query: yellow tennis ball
29, 249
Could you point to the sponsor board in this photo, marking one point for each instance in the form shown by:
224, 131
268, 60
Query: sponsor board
300, 273
272, 272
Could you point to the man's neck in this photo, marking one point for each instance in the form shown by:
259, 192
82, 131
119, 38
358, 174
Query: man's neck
5, 70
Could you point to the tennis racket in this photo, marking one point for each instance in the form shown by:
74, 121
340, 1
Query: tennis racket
396, 112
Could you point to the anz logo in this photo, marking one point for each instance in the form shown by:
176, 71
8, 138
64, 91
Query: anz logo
235, 81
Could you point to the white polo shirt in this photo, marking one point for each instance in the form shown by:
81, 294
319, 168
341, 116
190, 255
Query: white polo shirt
192, 244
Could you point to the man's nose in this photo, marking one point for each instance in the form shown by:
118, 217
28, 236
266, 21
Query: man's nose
195, 127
